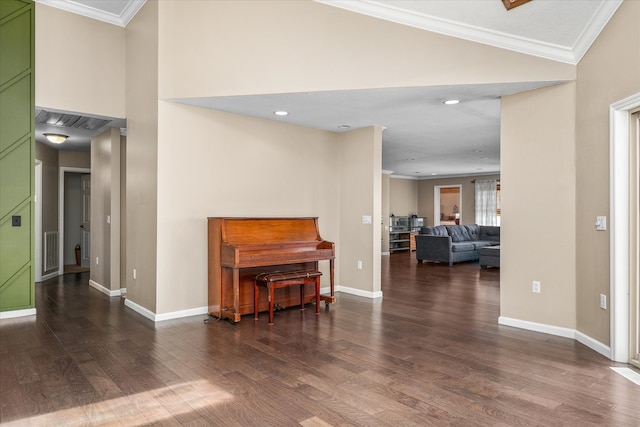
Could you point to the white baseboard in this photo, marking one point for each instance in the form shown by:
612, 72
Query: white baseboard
359, 292
140, 309
182, 313
165, 316
537, 327
595, 345
17, 313
49, 276
104, 290
558, 331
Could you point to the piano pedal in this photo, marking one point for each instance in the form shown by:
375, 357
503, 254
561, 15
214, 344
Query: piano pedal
278, 307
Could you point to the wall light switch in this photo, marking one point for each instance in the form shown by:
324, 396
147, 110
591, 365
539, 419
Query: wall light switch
601, 223
603, 301
108, 219
535, 287
366, 219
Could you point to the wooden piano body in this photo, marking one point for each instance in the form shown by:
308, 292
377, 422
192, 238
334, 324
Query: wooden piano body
240, 248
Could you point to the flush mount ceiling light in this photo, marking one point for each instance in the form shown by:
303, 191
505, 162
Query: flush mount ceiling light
281, 113
56, 138
344, 127
451, 102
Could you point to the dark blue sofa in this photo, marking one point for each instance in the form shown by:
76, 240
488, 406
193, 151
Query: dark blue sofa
455, 243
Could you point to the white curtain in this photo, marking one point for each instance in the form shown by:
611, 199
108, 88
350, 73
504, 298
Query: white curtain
487, 202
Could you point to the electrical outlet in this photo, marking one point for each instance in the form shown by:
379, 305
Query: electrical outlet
134, 274
535, 287
97, 260
359, 265
603, 301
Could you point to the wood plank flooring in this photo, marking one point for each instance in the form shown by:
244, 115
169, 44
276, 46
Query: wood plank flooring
430, 352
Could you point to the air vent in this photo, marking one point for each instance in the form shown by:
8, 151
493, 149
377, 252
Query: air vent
70, 121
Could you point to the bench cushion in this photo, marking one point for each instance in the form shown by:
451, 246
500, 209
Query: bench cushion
279, 276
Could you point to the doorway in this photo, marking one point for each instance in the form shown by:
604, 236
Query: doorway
74, 213
625, 219
447, 204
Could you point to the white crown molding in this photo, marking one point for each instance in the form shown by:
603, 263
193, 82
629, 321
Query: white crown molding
122, 20
567, 54
594, 27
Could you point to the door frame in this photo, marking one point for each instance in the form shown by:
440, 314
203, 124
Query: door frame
38, 222
63, 170
620, 212
436, 201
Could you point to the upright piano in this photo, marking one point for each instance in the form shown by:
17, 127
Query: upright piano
241, 248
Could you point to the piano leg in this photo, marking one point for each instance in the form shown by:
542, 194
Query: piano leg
235, 316
330, 299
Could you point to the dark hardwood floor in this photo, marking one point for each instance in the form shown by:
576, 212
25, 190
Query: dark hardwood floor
429, 353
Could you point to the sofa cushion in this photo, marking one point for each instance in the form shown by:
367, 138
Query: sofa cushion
458, 233
438, 230
473, 230
478, 244
490, 233
462, 247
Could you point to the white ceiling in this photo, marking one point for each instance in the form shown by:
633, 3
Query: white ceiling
422, 136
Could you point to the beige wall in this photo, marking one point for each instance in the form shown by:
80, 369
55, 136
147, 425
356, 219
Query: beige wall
220, 164
468, 205
298, 46
301, 46
105, 209
538, 184
307, 46
49, 158
74, 159
79, 63
609, 72
142, 156
360, 194
386, 186
403, 196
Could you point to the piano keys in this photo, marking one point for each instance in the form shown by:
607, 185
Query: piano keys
241, 248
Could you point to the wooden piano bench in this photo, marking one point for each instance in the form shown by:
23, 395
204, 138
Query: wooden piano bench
276, 280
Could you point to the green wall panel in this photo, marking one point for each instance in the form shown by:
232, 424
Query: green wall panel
15, 178
14, 257
8, 7
15, 42
17, 147
16, 294
15, 110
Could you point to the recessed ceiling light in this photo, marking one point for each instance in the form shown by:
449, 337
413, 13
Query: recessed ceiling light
484, 157
408, 160
344, 127
433, 173
451, 102
280, 113
477, 151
